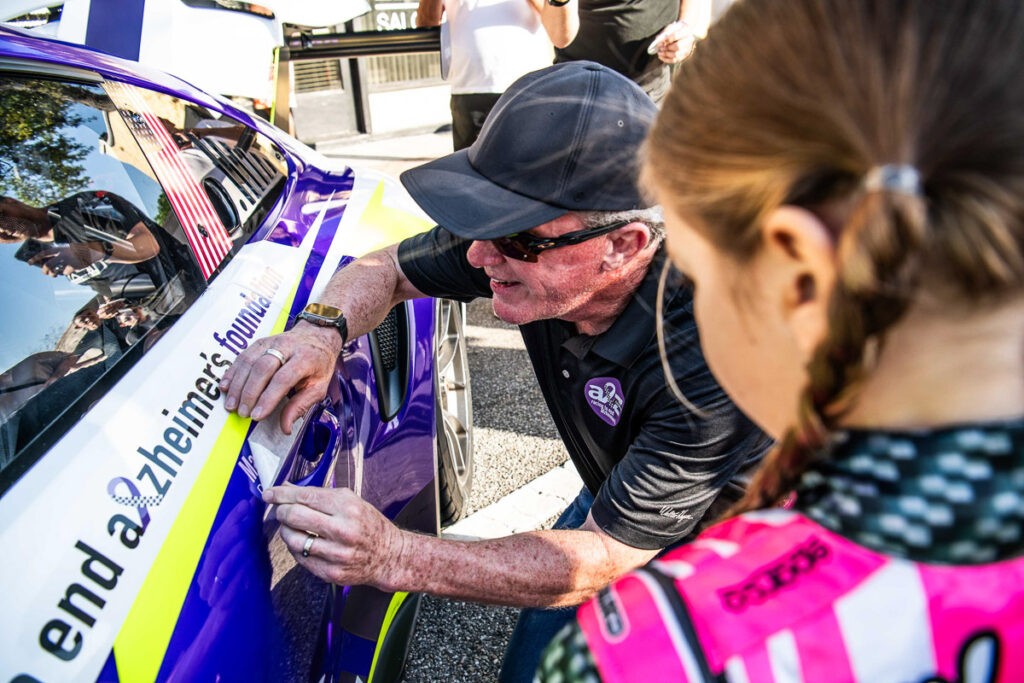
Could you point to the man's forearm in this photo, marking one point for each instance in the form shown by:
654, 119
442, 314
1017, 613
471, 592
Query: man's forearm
305, 356
366, 289
429, 13
560, 23
139, 245
697, 15
533, 569
343, 539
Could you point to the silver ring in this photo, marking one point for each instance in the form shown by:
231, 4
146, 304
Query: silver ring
309, 543
275, 353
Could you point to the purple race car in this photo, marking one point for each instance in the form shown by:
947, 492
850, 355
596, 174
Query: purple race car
148, 233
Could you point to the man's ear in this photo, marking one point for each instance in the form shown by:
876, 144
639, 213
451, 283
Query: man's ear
798, 267
624, 244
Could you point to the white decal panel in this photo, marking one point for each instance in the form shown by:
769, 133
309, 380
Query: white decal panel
69, 529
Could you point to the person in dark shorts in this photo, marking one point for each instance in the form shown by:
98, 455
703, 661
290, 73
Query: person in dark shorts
543, 216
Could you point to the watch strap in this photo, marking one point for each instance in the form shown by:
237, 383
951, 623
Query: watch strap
339, 323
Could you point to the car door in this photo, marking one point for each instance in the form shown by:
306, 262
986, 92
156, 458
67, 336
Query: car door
138, 527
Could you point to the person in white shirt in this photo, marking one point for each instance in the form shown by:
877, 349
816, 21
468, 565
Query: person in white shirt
494, 42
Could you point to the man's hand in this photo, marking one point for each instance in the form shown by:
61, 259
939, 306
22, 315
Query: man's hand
351, 543
354, 544
66, 260
675, 42
256, 382
109, 309
365, 290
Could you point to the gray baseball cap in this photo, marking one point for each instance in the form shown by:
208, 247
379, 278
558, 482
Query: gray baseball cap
561, 139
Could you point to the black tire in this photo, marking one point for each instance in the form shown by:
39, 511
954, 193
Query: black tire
453, 410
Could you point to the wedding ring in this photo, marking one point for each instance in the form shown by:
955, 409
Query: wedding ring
275, 353
309, 543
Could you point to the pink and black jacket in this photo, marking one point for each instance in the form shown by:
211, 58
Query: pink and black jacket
773, 597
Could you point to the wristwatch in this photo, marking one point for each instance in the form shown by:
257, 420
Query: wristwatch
323, 315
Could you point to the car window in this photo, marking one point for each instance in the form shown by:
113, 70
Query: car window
95, 263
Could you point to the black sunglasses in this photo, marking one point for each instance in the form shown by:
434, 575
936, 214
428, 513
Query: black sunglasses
523, 246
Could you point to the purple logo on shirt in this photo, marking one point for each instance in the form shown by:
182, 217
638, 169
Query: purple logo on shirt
604, 394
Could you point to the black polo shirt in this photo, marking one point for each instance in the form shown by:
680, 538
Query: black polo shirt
653, 467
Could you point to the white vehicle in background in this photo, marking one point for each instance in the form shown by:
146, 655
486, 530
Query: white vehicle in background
222, 46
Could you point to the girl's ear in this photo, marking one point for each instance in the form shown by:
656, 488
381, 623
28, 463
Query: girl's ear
798, 266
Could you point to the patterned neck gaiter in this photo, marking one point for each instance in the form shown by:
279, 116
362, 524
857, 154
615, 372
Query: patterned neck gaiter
945, 496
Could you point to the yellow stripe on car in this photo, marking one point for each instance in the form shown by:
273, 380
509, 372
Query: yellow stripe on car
396, 601
140, 646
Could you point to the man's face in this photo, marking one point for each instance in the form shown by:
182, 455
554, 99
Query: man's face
560, 284
88, 320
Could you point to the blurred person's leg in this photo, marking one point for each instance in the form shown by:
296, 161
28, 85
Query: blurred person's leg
536, 627
469, 111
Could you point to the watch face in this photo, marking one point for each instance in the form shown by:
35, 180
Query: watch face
323, 310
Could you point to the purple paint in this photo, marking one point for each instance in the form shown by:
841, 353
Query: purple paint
604, 394
115, 27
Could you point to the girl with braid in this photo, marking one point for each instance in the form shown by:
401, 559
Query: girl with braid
843, 180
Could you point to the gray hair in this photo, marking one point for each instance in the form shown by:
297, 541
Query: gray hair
651, 217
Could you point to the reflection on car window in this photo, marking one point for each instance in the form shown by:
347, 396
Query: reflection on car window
217, 171
94, 263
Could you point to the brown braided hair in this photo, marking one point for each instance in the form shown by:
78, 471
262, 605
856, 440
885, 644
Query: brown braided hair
794, 102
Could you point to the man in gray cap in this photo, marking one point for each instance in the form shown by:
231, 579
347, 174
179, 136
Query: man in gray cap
541, 214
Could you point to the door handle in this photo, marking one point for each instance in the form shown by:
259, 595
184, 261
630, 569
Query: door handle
316, 449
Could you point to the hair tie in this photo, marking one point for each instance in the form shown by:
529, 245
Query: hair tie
901, 178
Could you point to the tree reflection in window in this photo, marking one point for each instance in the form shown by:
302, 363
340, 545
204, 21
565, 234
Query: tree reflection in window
45, 162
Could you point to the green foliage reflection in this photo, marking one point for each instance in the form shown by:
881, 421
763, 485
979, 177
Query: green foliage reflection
40, 162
